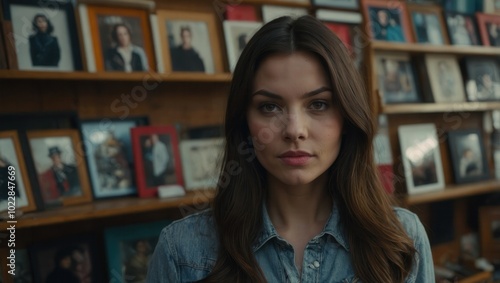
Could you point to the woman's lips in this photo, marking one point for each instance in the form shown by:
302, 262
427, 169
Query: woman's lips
295, 158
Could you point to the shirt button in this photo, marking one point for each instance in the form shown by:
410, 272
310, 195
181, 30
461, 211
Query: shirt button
316, 264
311, 266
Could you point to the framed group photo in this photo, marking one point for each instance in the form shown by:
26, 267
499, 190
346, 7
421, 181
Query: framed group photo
462, 29
468, 156
483, 79
489, 225
388, 22
157, 158
445, 78
60, 167
396, 78
45, 35
428, 24
118, 39
189, 42
109, 155
237, 35
489, 26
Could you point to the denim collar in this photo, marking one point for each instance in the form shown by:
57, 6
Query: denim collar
333, 228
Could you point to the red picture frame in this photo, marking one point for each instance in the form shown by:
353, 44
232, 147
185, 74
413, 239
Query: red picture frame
151, 144
485, 22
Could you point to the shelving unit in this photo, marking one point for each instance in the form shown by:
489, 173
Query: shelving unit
417, 108
438, 49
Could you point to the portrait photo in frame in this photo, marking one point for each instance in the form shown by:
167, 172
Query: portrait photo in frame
462, 29
483, 79
396, 78
11, 154
489, 27
129, 249
468, 156
237, 34
445, 78
421, 158
108, 148
428, 24
118, 39
157, 159
189, 42
59, 162
489, 232
45, 35
388, 22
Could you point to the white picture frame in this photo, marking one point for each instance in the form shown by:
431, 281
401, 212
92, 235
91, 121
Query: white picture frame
237, 34
271, 12
421, 158
445, 78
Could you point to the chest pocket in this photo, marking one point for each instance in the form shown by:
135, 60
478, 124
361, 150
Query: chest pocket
192, 272
353, 279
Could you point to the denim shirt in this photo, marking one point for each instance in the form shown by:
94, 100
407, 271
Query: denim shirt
187, 252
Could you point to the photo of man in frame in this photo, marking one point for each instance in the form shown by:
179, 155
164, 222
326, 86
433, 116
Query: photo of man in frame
158, 160
386, 24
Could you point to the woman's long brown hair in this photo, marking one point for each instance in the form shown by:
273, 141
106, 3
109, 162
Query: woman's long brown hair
380, 249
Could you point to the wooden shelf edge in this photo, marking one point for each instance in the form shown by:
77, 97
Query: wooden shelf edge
411, 108
108, 208
427, 48
453, 192
292, 3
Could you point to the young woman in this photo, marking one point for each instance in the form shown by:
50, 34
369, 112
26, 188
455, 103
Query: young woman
299, 199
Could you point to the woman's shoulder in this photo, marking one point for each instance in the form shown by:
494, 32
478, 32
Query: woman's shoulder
410, 222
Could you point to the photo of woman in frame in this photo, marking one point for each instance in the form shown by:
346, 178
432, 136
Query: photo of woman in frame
44, 47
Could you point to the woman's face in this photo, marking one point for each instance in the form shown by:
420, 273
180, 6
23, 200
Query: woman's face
123, 36
41, 23
294, 119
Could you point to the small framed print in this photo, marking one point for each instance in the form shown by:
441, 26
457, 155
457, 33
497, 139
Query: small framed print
117, 39
445, 78
60, 167
44, 35
483, 79
489, 225
491, 6
12, 167
388, 21
129, 249
237, 34
421, 158
396, 78
462, 29
189, 41
271, 12
201, 162
428, 24
468, 156
343, 4
157, 158
109, 155
489, 26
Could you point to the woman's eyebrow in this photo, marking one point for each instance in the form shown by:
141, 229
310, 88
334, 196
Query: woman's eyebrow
277, 96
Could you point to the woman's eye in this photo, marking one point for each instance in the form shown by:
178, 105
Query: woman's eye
269, 108
318, 105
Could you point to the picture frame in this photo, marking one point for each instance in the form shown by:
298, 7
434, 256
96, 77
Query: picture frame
23, 267
124, 243
421, 156
342, 4
482, 79
468, 156
112, 31
428, 24
271, 12
237, 34
77, 256
491, 6
396, 78
165, 169
445, 78
44, 35
11, 154
202, 53
489, 232
462, 29
346, 25
489, 27
201, 162
388, 22
109, 155
60, 166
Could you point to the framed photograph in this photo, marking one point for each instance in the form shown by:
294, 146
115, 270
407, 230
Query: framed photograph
346, 25
396, 78
462, 29
60, 167
129, 250
271, 12
491, 6
388, 22
428, 24
421, 158
157, 158
445, 78
23, 267
483, 79
489, 26
45, 35
489, 225
73, 259
201, 162
343, 4
237, 34
118, 39
11, 154
109, 155
189, 41
468, 156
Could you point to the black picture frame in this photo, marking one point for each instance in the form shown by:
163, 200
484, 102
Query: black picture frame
49, 8
482, 79
468, 156
115, 153
458, 25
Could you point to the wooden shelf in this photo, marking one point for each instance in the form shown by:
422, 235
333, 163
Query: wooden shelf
454, 191
291, 3
108, 208
115, 76
409, 108
443, 49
